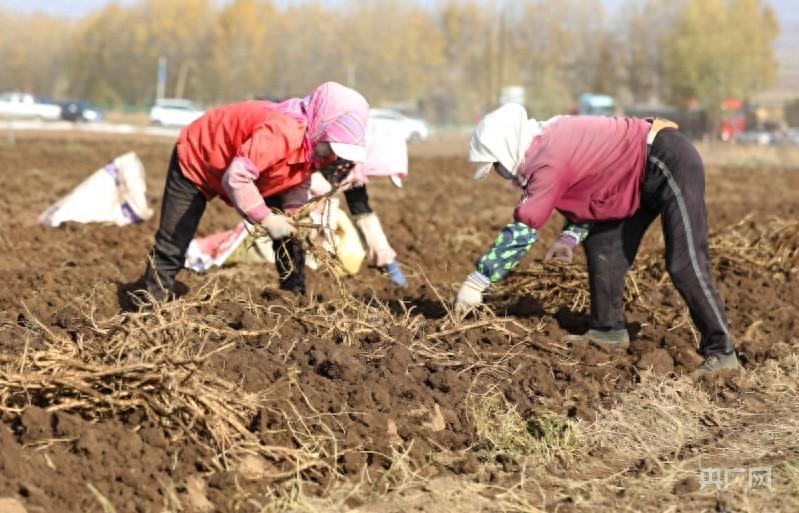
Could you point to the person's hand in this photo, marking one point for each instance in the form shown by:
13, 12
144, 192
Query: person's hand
395, 274
562, 250
278, 226
470, 294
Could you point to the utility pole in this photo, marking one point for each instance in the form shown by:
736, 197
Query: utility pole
183, 74
351, 76
160, 84
490, 90
501, 56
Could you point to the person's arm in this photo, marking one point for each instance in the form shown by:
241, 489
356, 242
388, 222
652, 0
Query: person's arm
543, 190
358, 200
515, 239
381, 254
577, 232
239, 184
380, 251
538, 201
263, 149
513, 242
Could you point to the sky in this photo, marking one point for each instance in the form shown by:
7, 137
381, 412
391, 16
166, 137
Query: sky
786, 9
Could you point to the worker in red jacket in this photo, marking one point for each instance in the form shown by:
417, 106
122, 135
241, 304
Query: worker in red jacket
258, 157
610, 178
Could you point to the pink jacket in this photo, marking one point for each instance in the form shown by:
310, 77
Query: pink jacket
386, 154
587, 167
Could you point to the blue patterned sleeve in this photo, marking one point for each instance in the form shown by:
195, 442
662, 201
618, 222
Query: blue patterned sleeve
513, 243
576, 231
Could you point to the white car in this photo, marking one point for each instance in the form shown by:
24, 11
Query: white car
758, 137
174, 112
414, 130
24, 105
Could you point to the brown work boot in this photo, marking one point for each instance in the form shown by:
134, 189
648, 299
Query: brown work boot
609, 339
714, 363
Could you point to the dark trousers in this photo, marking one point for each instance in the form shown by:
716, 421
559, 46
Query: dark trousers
289, 256
673, 188
182, 207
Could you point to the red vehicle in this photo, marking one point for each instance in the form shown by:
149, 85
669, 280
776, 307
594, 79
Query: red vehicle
733, 119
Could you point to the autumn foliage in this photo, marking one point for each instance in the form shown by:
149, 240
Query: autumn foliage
449, 58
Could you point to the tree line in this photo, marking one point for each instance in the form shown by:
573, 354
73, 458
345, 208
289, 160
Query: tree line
449, 58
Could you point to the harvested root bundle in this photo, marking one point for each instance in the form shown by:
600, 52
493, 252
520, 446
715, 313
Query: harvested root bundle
560, 286
746, 247
315, 237
157, 362
753, 247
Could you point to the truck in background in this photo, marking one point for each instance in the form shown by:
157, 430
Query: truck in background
596, 105
691, 117
733, 119
24, 105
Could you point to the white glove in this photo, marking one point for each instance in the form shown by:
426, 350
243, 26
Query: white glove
380, 252
470, 294
278, 226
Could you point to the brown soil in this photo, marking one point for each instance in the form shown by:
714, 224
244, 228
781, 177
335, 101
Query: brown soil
350, 392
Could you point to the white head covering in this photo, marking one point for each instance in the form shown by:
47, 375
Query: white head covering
502, 136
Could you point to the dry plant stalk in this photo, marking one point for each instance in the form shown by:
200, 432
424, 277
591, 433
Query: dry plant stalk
153, 361
312, 236
746, 247
156, 361
503, 430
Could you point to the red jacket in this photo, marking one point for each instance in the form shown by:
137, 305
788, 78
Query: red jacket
271, 139
587, 167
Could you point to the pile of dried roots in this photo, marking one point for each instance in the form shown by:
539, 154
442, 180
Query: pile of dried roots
747, 248
158, 361
155, 361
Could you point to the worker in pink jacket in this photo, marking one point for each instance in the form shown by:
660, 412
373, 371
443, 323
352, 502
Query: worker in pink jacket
386, 156
610, 178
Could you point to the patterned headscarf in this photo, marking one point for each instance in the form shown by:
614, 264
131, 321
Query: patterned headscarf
335, 114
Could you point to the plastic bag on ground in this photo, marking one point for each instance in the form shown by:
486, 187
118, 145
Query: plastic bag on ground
115, 193
345, 243
212, 251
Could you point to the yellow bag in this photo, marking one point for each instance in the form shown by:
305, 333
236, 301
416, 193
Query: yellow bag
348, 247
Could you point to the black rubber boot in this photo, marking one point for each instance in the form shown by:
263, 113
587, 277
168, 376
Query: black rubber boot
290, 263
159, 286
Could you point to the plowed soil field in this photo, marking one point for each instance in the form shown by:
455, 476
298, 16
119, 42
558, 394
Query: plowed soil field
239, 398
